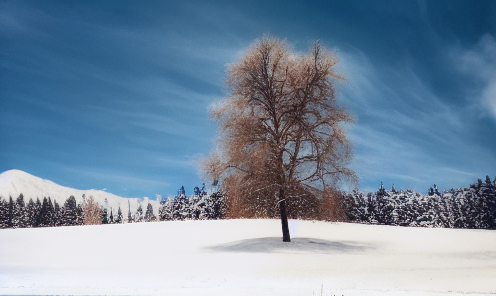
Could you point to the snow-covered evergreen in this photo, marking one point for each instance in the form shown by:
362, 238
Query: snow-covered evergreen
118, 219
473, 207
165, 212
69, 216
139, 216
149, 215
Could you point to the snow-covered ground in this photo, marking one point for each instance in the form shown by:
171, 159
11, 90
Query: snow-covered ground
247, 257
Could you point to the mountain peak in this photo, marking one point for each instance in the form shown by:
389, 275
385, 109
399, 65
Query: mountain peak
14, 182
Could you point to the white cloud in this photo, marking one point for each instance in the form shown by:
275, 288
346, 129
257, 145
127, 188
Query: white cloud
480, 63
406, 133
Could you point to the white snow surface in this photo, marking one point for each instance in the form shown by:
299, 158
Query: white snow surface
247, 257
15, 182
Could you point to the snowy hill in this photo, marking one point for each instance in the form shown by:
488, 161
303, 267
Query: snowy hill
247, 257
15, 182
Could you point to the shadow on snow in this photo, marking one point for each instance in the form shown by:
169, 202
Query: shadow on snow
297, 245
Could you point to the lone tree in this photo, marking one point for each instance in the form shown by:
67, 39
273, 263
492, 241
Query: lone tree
281, 132
92, 212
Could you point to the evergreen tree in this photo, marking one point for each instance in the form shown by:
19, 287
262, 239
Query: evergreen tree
149, 216
51, 213
218, 206
57, 214
372, 208
138, 216
4, 210
70, 213
165, 211
181, 207
31, 213
105, 216
111, 217
13, 219
436, 191
129, 216
197, 205
44, 220
118, 218
356, 207
384, 207
196, 191
488, 181
487, 195
80, 215
21, 212
459, 204
38, 215
413, 209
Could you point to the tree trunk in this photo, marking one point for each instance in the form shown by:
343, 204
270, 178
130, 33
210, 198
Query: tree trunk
284, 217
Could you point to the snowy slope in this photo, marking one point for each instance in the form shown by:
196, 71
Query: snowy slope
247, 257
15, 182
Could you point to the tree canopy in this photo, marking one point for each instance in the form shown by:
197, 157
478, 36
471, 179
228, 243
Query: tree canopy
282, 140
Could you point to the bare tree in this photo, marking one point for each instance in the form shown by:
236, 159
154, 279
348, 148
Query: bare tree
91, 212
282, 134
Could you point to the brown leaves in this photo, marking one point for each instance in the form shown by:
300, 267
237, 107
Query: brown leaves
280, 127
91, 212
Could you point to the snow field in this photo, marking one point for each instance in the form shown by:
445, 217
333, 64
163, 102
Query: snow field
247, 257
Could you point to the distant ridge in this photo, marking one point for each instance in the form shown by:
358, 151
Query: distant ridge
15, 182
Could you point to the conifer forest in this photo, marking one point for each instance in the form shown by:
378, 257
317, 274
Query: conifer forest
473, 207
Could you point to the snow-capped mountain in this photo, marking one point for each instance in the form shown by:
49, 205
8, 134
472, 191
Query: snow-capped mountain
15, 182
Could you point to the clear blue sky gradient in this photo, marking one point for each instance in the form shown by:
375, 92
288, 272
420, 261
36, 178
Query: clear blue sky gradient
115, 94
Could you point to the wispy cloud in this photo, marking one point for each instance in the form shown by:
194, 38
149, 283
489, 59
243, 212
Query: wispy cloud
405, 133
479, 62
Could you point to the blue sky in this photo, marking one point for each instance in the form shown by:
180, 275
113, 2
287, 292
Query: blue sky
115, 94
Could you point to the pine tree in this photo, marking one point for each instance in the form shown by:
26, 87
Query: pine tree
165, 211
129, 216
12, 220
4, 210
459, 205
111, 217
70, 213
181, 206
118, 218
38, 215
29, 216
196, 191
413, 208
487, 195
149, 216
43, 217
21, 212
218, 205
181, 191
384, 207
80, 215
197, 205
51, 213
104, 216
138, 216
57, 214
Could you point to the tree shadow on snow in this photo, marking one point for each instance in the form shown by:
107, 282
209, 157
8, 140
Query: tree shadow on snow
297, 245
